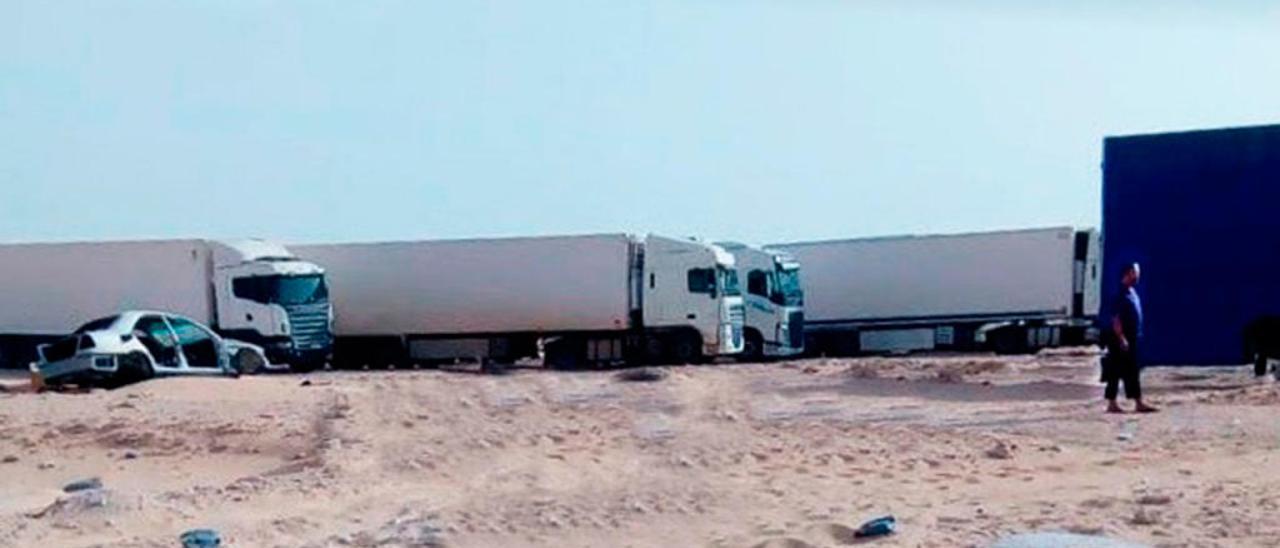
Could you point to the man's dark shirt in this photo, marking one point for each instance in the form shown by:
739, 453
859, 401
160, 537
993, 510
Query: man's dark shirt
1128, 306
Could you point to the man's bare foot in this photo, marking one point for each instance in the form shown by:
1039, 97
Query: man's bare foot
1144, 408
1113, 408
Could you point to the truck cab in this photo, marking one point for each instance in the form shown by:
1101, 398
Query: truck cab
774, 323
267, 296
692, 303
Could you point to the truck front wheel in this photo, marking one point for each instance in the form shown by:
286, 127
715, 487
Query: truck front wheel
752, 346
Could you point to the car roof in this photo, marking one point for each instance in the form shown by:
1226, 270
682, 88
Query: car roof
134, 315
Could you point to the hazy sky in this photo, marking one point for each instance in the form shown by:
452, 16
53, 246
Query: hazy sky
752, 120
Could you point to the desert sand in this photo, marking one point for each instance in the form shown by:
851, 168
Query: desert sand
961, 450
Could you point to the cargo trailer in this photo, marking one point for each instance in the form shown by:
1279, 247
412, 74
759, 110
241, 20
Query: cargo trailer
1008, 291
571, 300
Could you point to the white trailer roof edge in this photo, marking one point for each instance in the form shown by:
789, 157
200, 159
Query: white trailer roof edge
468, 240
928, 236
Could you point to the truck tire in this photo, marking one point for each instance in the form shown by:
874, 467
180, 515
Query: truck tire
752, 346
1011, 340
1260, 364
686, 348
565, 353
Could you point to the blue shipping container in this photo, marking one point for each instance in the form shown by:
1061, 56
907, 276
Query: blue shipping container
1199, 211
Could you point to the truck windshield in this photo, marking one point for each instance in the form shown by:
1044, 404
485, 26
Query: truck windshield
789, 286
283, 290
728, 281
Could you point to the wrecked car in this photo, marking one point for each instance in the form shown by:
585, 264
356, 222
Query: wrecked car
138, 345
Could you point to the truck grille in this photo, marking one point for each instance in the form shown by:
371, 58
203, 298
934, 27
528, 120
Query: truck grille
795, 322
309, 325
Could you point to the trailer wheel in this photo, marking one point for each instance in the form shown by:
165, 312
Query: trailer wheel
563, 353
1011, 340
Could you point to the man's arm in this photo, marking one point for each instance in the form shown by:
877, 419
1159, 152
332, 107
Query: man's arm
1117, 327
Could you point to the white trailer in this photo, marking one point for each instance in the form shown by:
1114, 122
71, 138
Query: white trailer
774, 299
1009, 291
250, 290
606, 298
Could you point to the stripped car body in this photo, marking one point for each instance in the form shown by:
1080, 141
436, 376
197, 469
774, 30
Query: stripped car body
137, 345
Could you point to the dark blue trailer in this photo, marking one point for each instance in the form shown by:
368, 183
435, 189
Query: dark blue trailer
1198, 210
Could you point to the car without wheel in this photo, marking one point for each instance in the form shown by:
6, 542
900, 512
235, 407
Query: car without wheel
137, 345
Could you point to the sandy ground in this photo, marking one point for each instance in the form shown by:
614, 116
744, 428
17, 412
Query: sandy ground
961, 450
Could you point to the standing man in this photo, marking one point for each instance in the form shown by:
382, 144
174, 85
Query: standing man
1125, 335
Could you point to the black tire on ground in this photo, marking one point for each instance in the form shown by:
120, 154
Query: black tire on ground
563, 354
752, 346
1010, 341
654, 350
686, 349
1260, 364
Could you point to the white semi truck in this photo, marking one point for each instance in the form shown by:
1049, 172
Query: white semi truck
251, 290
573, 300
1009, 291
774, 324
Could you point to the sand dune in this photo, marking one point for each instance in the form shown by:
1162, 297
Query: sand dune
962, 450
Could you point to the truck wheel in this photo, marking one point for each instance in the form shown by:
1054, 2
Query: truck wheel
562, 354
1260, 363
247, 362
1010, 341
752, 347
686, 349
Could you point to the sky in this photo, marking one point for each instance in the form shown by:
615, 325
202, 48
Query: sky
757, 121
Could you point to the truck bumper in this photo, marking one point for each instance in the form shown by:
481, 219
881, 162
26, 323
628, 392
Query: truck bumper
282, 351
